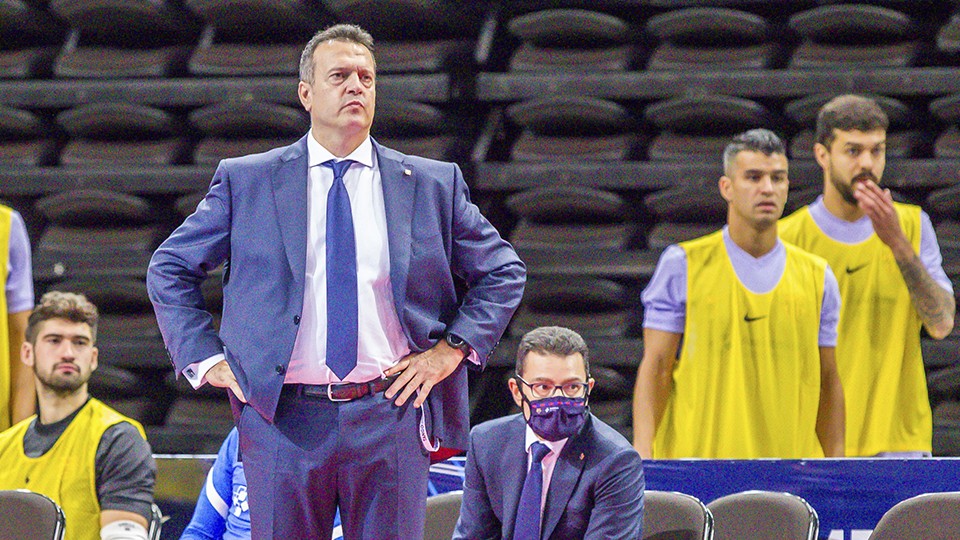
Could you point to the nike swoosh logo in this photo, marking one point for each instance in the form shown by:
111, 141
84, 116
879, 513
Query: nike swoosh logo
747, 318
852, 269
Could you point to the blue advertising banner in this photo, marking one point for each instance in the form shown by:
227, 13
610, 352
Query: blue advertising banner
850, 495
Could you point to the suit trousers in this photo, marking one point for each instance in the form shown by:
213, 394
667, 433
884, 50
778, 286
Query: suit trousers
364, 456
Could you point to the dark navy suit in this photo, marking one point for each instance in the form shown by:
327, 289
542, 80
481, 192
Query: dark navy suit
255, 217
596, 490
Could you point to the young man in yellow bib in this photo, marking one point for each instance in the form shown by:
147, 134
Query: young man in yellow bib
93, 461
756, 375
887, 261
17, 396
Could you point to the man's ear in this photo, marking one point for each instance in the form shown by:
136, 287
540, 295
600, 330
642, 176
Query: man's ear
26, 353
94, 359
304, 92
724, 186
515, 391
822, 154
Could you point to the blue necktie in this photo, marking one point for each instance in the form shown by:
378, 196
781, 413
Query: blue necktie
341, 275
528, 512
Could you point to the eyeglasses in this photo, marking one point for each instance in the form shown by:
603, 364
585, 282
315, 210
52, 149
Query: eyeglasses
544, 390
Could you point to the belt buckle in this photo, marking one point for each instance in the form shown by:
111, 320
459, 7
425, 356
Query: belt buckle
330, 395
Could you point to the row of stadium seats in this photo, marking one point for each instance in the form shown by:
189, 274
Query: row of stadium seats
590, 134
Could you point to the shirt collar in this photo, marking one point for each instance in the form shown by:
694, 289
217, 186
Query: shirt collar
317, 154
531, 437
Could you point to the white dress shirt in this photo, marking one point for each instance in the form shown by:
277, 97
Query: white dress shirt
381, 338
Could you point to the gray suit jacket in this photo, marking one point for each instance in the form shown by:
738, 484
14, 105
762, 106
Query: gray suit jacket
254, 218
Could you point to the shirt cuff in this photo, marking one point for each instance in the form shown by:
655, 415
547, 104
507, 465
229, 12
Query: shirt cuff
196, 373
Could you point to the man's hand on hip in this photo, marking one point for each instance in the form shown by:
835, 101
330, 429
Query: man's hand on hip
222, 376
422, 371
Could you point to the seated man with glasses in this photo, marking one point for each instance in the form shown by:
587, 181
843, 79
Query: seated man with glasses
555, 470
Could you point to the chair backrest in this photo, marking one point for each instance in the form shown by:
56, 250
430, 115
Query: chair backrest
443, 511
157, 519
762, 515
931, 516
25, 514
670, 515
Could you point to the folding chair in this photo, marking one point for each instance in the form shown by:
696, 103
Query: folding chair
931, 516
670, 515
762, 515
443, 511
25, 514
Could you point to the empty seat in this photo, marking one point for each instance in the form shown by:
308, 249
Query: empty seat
670, 515
667, 233
591, 306
416, 128
701, 125
571, 39
565, 216
948, 36
25, 139
710, 38
241, 127
432, 35
64, 252
566, 127
946, 429
92, 207
944, 202
697, 201
123, 38
931, 516
29, 40
851, 34
111, 132
761, 515
253, 37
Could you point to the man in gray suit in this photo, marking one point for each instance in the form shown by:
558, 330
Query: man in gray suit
339, 291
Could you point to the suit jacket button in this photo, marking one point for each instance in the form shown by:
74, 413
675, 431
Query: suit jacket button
296, 319
280, 369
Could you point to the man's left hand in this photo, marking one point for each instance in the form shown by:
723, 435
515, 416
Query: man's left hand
877, 204
420, 372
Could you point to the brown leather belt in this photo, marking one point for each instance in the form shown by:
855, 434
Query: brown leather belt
341, 391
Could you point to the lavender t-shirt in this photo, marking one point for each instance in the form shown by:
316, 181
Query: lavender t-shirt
665, 297
19, 286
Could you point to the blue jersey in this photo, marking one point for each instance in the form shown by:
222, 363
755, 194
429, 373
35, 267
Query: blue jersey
222, 512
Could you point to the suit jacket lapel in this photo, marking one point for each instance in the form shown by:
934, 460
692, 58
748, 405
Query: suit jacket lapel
566, 475
513, 468
290, 197
399, 189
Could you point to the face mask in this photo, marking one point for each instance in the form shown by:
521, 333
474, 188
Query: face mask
556, 418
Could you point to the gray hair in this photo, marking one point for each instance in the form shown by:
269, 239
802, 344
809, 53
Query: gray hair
552, 340
755, 140
339, 32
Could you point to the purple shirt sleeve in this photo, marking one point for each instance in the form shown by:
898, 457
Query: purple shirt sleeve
829, 310
665, 297
930, 253
19, 287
